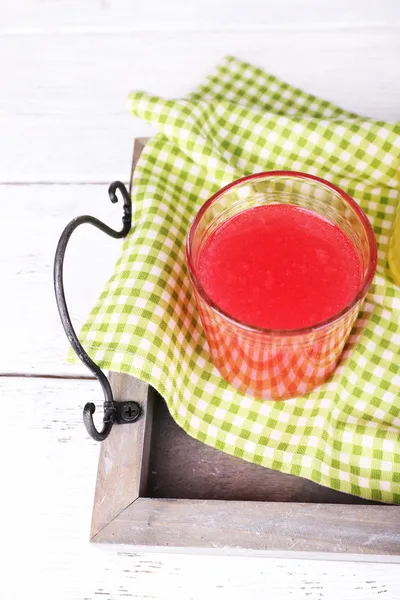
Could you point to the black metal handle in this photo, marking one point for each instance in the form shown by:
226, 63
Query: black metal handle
111, 414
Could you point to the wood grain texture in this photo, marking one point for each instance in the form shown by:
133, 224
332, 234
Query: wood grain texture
122, 472
138, 145
257, 526
95, 15
124, 455
33, 217
182, 467
46, 530
69, 98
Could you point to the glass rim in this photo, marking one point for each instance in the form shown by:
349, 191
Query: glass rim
367, 279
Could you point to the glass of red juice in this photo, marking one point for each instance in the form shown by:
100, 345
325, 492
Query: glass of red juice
280, 264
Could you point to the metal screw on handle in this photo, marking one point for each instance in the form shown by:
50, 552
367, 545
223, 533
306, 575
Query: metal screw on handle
128, 412
114, 412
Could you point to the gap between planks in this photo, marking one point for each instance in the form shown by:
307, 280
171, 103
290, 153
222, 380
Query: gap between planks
47, 376
50, 183
174, 29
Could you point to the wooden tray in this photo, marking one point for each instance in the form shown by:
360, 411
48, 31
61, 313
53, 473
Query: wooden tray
156, 486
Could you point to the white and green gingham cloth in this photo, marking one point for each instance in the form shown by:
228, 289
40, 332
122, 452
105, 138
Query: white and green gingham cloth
346, 433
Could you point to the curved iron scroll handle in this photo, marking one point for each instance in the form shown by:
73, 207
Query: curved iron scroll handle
110, 406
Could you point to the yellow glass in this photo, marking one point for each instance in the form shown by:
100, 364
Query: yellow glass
394, 249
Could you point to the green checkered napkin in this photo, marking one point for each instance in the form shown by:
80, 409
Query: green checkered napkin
345, 434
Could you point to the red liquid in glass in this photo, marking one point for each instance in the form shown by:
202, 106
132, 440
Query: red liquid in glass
279, 267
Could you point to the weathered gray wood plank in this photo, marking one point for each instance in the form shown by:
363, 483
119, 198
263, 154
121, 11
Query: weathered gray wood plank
257, 526
123, 461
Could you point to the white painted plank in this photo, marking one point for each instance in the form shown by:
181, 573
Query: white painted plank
63, 113
23, 16
33, 217
50, 482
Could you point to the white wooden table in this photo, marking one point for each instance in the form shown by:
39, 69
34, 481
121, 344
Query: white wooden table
66, 67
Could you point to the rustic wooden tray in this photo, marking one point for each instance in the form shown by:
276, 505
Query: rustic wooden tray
156, 486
